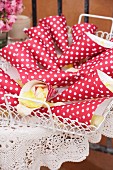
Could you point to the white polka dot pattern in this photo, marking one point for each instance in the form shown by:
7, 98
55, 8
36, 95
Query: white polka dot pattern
88, 87
79, 111
40, 53
40, 50
83, 48
8, 84
103, 62
2, 93
18, 55
79, 29
58, 78
58, 27
11, 101
43, 32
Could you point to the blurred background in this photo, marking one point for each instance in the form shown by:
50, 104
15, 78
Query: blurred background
72, 9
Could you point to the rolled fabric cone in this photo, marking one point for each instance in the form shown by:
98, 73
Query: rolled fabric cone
11, 101
18, 55
80, 111
79, 29
89, 65
87, 46
87, 87
55, 78
13, 74
44, 33
103, 62
41, 54
58, 27
8, 84
106, 80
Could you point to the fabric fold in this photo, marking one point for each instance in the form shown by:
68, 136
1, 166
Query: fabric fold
43, 32
41, 54
87, 46
55, 78
18, 55
88, 87
58, 27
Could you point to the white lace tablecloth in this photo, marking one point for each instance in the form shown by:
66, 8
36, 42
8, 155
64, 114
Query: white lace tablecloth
26, 148
29, 148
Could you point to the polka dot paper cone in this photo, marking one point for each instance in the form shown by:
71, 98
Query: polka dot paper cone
91, 64
103, 91
40, 53
105, 82
103, 62
79, 29
58, 27
11, 101
83, 48
80, 111
8, 84
18, 55
43, 32
87, 87
55, 78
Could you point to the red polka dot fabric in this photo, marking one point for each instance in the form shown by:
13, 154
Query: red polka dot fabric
88, 87
85, 68
58, 27
43, 56
79, 111
43, 32
18, 55
2, 93
55, 78
8, 84
11, 101
103, 62
83, 48
79, 29
40, 53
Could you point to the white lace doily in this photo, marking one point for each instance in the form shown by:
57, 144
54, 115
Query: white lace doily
29, 148
26, 148
107, 129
